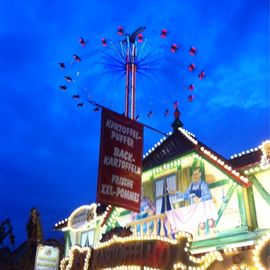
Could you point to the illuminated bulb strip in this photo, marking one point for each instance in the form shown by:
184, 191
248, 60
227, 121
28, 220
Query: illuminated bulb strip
184, 132
249, 151
61, 222
184, 235
206, 259
254, 169
71, 258
256, 252
191, 134
132, 238
231, 250
197, 156
266, 141
156, 145
63, 263
224, 165
188, 132
131, 267
179, 266
166, 166
124, 267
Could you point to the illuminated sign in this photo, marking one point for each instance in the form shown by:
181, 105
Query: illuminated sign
81, 217
47, 258
120, 161
140, 253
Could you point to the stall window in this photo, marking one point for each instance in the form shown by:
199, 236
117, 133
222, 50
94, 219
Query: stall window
87, 238
163, 198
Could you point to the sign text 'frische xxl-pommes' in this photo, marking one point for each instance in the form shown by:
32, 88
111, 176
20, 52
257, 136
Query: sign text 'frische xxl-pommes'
120, 161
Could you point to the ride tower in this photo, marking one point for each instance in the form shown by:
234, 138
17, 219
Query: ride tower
129, 47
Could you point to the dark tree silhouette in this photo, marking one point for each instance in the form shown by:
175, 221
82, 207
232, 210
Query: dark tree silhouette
6, 230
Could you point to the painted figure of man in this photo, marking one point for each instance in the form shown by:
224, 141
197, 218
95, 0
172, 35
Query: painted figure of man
198, 191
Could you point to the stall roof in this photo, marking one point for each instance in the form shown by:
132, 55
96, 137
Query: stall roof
246, 160
181, 142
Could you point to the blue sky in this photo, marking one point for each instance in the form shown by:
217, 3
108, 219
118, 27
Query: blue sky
49, 148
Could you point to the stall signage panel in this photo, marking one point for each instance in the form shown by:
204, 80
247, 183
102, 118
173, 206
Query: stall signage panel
47, 258
120, 162
81, 217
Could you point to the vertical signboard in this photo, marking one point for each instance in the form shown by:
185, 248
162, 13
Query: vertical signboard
47, 258
120, 161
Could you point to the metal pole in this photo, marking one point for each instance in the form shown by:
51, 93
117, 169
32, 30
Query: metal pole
133, 82
127, 90
131, 69
133, 90
127, 100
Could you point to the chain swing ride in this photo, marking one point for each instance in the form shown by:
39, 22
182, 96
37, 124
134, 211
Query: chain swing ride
131, 56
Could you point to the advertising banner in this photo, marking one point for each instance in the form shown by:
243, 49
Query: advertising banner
120, 161
47, 258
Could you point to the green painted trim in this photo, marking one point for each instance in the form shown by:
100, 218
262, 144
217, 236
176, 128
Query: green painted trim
68, 243
218, 183
110, 224
176, 158
222, 239
123, 213
220, 169
224, 205
178, 176
237, 235
252, 208
194, 165
202, 169
261, 189
69, 240
241, 205
110, 219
